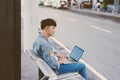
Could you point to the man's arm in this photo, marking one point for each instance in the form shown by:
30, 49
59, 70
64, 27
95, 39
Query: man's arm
62, 57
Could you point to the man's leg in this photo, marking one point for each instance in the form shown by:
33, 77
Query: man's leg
73, 67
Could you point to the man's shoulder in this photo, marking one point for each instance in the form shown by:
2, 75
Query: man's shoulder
41, 40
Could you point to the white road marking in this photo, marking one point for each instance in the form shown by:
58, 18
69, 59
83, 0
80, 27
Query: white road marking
70, 19
106, 21
94, 19
55, 15
88, 66
98, 28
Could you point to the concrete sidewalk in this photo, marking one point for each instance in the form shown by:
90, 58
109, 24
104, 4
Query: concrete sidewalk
94, 13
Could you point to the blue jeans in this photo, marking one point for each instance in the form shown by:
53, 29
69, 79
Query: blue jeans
73, 67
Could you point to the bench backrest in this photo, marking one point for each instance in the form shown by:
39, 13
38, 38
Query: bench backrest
46, 70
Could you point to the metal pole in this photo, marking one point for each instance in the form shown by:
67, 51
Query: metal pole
115, 7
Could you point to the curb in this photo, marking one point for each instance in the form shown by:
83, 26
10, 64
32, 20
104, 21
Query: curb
97, 14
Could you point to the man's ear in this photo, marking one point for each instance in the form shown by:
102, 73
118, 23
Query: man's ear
47, 27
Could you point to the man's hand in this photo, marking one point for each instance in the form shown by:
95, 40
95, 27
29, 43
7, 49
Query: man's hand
61, 55
62, 58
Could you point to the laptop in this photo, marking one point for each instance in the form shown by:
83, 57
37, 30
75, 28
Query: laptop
76, 53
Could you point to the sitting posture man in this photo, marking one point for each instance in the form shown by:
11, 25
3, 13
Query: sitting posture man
43, 48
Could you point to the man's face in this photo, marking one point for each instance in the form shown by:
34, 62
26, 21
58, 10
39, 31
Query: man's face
51, 30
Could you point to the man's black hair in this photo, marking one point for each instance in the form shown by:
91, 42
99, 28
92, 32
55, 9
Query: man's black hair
48, 22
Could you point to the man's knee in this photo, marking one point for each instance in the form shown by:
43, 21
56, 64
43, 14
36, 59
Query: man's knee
82, 65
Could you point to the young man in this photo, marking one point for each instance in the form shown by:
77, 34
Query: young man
43, 48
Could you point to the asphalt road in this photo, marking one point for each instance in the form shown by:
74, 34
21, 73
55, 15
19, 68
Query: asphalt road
99, 37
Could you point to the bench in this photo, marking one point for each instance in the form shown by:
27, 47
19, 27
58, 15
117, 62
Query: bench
46, 73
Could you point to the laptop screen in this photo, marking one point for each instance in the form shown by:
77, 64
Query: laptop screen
76, 53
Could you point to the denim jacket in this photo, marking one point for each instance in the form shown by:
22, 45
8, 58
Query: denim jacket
43, 49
